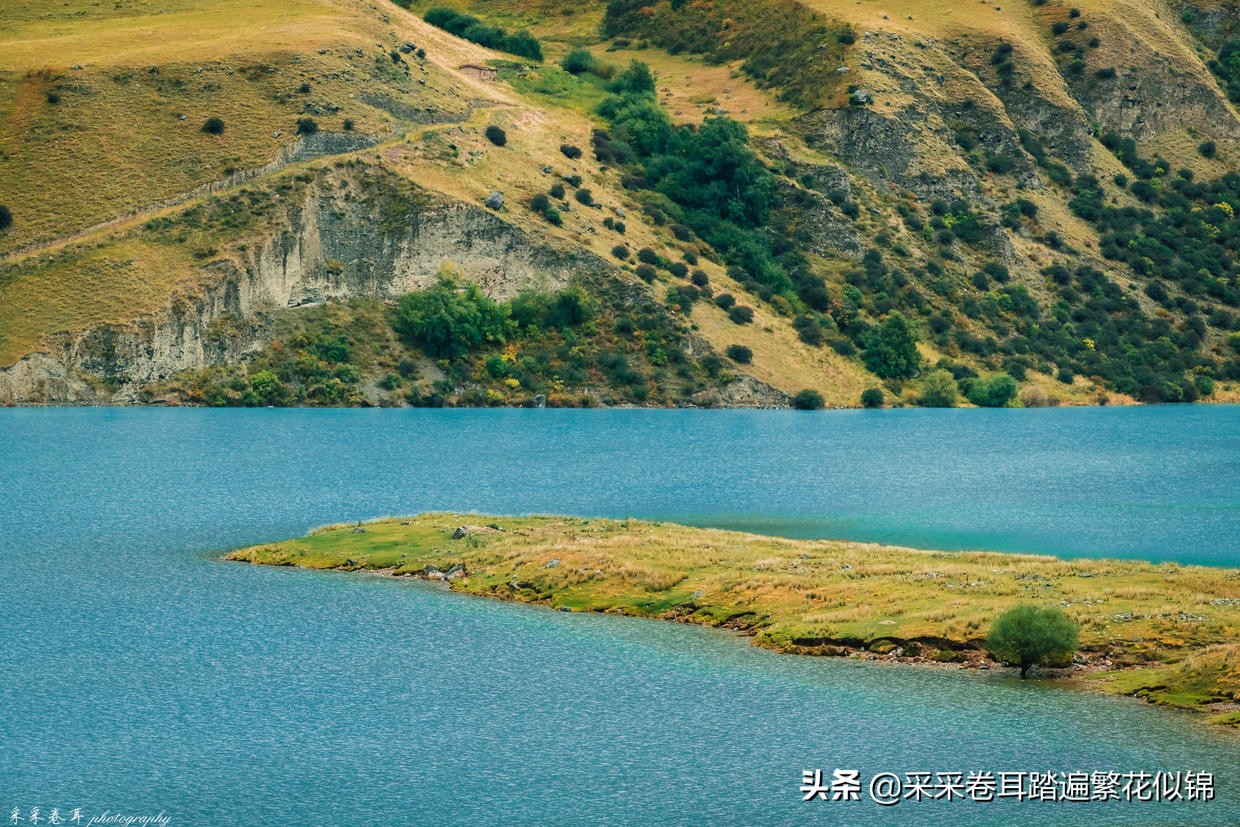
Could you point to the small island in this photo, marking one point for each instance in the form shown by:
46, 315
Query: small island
1164, 632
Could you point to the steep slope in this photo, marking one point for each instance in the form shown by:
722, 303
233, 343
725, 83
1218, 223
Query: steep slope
1041, 191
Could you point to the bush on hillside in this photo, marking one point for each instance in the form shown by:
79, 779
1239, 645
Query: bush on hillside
938, 390
577, 61
471, 28
872, 398
808, 400
741, 314
993, 391
451, 318
496, 135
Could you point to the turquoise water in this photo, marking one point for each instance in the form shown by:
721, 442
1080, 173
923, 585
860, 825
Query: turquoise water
141, 674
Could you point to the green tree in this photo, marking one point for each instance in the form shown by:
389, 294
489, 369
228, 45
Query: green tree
450, 319
635, 79
938, 390
993, 391
1027, 636
872, 398
266, 385
891, 351
808, 400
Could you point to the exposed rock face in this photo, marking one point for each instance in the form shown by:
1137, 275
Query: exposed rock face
330, 248
1151, 94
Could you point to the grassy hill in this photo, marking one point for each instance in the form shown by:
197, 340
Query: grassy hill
953, 190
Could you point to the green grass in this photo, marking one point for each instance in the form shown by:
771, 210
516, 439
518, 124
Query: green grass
549, 84
1169, 629
126, 133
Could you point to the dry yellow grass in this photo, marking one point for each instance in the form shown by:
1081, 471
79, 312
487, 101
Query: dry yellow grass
689, 88
807, 596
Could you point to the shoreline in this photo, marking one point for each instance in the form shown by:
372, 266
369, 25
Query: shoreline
1166, 633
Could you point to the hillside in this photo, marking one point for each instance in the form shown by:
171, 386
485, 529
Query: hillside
224, 202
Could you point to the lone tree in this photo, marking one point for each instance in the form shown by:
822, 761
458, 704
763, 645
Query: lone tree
1028, 636
891, 350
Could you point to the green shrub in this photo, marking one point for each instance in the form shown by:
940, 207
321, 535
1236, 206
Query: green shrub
681, 298
307, 126
540, 203
620, 251
6, 217
470, 28
1027, 636
740, 314
740, 354
872, 398
647, 256
938, 390
496, 135
571, 152
808, 400
451, 318
556, 191
213, 126
993, 391
1208, 149
577, 61
584, 197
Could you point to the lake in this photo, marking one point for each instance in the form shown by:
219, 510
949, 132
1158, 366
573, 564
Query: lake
143, 674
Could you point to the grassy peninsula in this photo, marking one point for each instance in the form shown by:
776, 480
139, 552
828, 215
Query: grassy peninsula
1164, 632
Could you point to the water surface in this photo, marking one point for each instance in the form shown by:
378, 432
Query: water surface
140, 673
